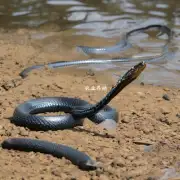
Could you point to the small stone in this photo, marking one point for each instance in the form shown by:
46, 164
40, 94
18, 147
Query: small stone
118, 162
56, 172
178, 115
23, 132
11, 84
147, 130
90, 73
142, 83
110, 170
166, 89
92, 173
165, 110
2, 90
2, 132
98, 172
131, 158
166, 97
141, 94
165, 120
125, 120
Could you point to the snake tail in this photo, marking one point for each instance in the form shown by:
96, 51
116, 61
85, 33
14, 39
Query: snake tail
78, 158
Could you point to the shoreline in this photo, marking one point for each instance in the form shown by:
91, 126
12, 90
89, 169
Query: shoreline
144, 117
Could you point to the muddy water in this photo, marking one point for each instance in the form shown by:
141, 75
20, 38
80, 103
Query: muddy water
101, 23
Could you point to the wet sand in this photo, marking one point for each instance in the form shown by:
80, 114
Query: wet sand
145, 118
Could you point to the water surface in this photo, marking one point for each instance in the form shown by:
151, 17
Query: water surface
108, 19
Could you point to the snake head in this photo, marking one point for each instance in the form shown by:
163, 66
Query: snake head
165, 30
134, 72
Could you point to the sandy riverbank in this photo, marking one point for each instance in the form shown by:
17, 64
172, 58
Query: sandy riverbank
144, 116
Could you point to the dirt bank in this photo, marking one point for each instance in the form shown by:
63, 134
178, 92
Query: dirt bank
144, 117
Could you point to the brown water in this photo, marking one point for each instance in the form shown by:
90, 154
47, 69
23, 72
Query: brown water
108, 19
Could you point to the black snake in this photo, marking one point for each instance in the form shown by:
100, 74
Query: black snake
26, 115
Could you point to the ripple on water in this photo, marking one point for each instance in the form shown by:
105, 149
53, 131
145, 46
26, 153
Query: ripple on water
65, 2
109, 19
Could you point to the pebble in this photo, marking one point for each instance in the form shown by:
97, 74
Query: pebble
166, 97
165, 110
2, 132
90, 73
57, 172
147, 130
99, 172
141, 94
2, 90
118, 162
125, 120
23, 132
166, 89
110, 170
178, 115
131, 158
165, 120
11, 84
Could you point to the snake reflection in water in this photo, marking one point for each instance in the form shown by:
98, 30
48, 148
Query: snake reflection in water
120, 46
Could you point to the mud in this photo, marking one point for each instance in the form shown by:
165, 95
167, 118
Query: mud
145, 143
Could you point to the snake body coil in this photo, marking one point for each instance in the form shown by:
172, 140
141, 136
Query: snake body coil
26, 115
